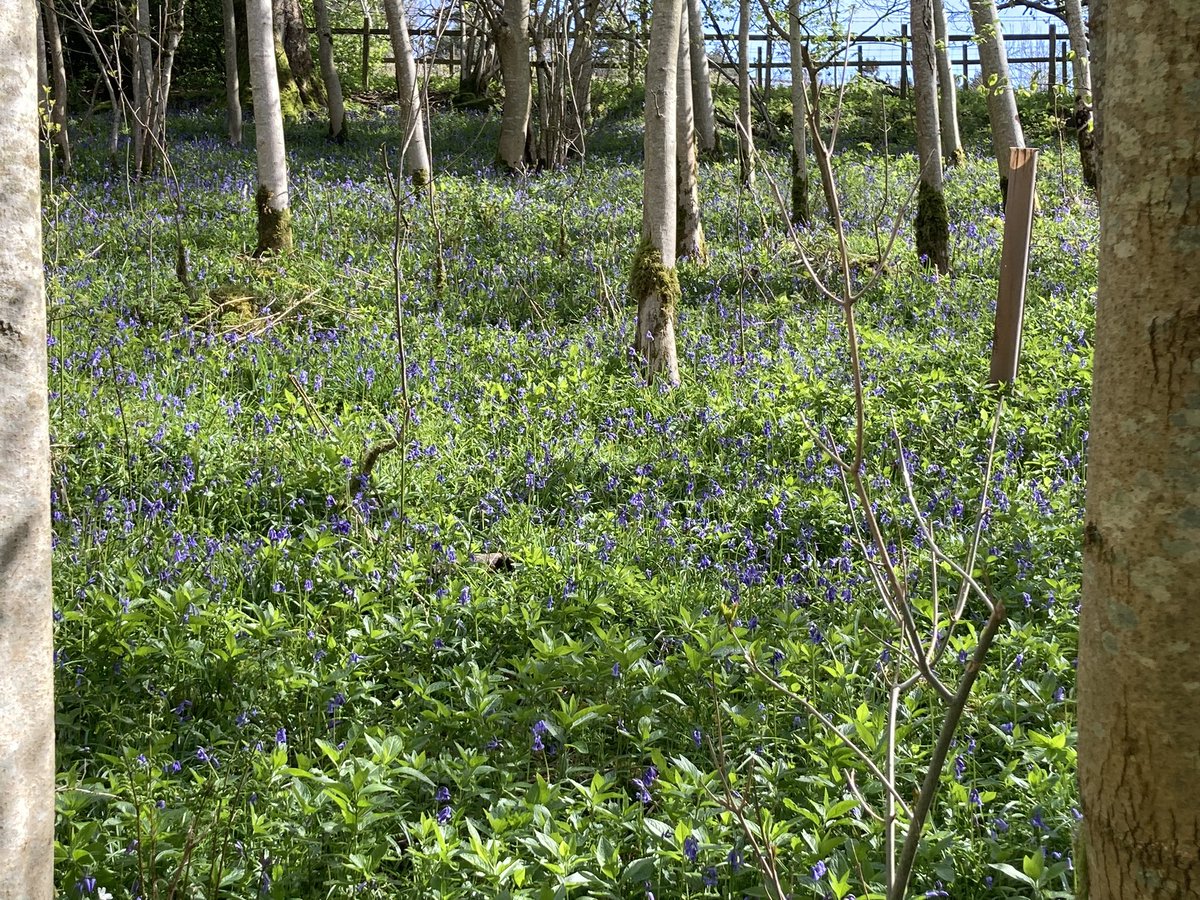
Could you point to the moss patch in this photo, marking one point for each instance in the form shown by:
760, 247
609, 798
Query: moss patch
932, 227
274, 225
420, 177
801, 215
648, 275
290, 100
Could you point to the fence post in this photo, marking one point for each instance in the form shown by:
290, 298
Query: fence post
1062, 55
770, 59
904, 60
366, 54
859, 67
1051, 62
966, 64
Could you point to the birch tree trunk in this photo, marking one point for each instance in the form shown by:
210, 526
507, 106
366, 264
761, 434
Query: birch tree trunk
653, 282
952, 151
707, 142
43, 76
512, 44
26, 639
1139, 635
160, 83
689, 241
233, 88
58, 73
801, 215
932, 226
293, 35
412, 125
1081, 64
1001, 103
271, 198
582, 68
333, 84
744, 124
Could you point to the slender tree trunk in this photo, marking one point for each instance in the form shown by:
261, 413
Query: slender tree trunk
512, 43
412, 125
1082, 69
744, 124
44, 87
293, 35
952, 150
689, 242
333, 84
143, 66
582, 67
1001, 102
58, 71
233, 88
653, 282
160, 82
1139, 635
26, 639
801, 215
932, 226
271, 199
707, 142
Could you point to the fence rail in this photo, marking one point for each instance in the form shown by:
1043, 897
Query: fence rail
1055, 56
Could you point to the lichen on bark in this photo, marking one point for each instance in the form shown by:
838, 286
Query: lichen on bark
274, 225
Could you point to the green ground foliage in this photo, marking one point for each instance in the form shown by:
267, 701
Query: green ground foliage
272, 686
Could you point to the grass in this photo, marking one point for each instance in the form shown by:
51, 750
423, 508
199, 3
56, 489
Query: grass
273, 685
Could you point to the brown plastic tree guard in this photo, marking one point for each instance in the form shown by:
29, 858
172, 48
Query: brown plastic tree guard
1014, 265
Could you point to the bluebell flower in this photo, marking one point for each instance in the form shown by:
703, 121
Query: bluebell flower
819, 870
691, 847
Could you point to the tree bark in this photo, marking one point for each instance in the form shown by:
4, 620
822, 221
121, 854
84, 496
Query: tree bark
707, 142
1082, 70
293, 35
44, 87
582, 67
233, 88
653, 282
26, 639
952, 150
272, 198
689, 241
58, 74
412, 124
512, 44
744, 124
932, 226
801, 215
143, 66
333, 84
1001, 102
1139, 640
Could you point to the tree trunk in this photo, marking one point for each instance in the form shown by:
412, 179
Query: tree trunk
333, 84
582, 67
58, 72
43, 77
1082, 70
932, 226
744, 124
233, 88
143, 66
801, 215
707, 142
952, 150
293, 35
1001, 103
26, 639
653, 282
412, 124
512, 43
689, 241
1139, 638
271, 199
168, 43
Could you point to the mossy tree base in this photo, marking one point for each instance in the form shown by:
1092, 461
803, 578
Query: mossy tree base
654, 286
801, 214
932, 227
274, 225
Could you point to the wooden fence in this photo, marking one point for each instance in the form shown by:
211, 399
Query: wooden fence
1054, 53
